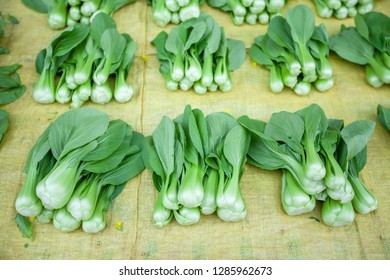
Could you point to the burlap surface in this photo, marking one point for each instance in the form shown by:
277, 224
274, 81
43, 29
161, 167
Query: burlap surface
267, 232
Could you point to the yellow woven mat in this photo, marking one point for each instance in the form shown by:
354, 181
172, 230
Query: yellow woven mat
267, 232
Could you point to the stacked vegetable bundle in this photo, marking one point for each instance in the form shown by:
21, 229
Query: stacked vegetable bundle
85, 57
370, 46
249, 11
342, 9
11, 87
197, 164
295, 51
197, 54
320, 158
174, 11
62, 13
76, 168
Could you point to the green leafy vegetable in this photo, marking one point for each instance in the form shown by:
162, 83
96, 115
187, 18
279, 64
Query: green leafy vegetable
315, 123
161, 215
187, 216
197, 163
124, 92
39, 163
40, 6
67, 134
98, 222
370, 48
64, 221
25, 226
302, 26
295, 200
197, 54
112, 45
11, 87
320, 158
77, 167
57, 13
84, 58
337, 214
46, 216
295, 51
356, 136
363, 201
231, 205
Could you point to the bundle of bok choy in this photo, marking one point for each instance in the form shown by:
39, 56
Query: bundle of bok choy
296, 52
76, 168
366, 44
197, 54
320, 158
197, 163
84, 57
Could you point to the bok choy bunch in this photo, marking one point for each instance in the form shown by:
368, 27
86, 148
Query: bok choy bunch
320, 158
342, 9
84, 58
77, 167
174, 11
63, 13
197, 54
249, 11
296, 52
370, 48
197, 163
